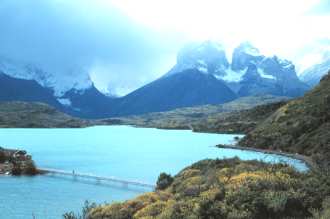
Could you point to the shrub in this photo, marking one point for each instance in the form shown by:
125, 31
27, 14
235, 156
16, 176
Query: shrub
164, 180
85, 211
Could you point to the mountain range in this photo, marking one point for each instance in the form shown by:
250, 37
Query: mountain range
202, 75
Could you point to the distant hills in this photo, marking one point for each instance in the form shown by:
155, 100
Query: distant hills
202, 75
35, 115
237, 116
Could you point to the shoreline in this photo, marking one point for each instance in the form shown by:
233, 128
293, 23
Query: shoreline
305, 159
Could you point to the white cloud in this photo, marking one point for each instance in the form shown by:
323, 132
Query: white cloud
275, 26
134, 42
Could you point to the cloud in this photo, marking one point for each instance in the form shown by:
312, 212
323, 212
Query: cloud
63, 36
322, 8
123, 44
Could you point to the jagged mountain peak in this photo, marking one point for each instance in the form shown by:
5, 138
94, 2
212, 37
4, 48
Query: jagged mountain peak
244, 55
207, 57
250, 72
281, 69
248, 48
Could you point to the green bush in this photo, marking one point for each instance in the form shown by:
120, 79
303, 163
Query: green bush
230, 189
164, 180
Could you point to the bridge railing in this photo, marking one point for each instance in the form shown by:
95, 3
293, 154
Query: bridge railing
96, 177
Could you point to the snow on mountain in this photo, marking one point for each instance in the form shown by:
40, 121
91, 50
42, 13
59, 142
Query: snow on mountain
265, 75
313, 74
208, 57
59, 83
247, 61
25, 71
244, 55
280, 69
232, 76
64, 101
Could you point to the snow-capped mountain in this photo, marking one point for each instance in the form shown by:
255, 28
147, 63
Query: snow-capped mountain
249, 73
59, 83
244, 55
72, 92
202, 75
313, 74
15, 89
207, 57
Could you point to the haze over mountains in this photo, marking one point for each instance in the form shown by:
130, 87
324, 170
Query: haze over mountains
313, 74
202, 75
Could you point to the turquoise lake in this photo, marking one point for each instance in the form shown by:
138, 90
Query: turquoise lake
120, 151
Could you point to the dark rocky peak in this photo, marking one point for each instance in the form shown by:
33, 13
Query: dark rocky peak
251, 73
207, 57
281, 69
244, 55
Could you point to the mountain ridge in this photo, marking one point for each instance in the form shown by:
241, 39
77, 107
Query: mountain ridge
214, 80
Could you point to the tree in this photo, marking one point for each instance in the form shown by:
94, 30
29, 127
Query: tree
164, 180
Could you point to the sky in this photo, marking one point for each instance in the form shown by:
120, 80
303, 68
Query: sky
124, 44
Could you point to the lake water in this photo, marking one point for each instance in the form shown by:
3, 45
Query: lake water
120, 151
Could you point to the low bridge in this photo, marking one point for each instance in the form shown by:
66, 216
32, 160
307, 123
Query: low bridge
98, 178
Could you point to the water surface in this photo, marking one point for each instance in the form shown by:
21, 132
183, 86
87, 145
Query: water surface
120, 151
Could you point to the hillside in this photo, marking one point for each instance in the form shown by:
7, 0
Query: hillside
231, 188
301, 126
199, 118
237, 122
35, 115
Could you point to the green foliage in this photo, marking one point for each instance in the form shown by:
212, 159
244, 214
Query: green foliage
69, 215
228, 188
301, 126
324, 213
164, 180
85, 211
